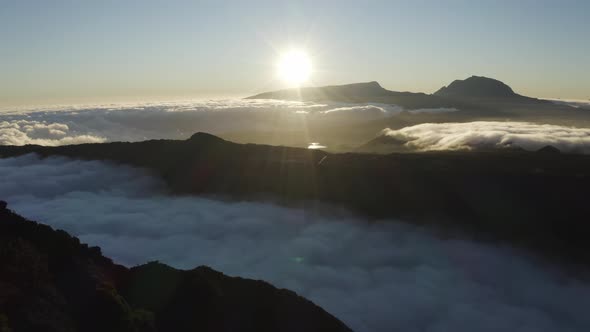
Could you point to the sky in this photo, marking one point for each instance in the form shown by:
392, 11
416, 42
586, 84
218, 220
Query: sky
60, 51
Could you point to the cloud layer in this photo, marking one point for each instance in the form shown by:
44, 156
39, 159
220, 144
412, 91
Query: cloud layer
84, 124
581, 104
385, 276
21, 132
491, 134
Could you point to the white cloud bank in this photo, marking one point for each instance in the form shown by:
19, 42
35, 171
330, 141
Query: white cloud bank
491, 134
21, 132
86, 124
577, 103
375, 277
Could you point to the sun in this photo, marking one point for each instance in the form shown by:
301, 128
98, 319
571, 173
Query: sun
294, 67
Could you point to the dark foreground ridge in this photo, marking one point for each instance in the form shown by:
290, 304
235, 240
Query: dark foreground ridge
532, 199
49, 282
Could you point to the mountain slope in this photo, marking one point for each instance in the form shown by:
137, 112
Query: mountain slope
49, 281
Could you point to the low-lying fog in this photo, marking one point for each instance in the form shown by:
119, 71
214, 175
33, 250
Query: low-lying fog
387, 276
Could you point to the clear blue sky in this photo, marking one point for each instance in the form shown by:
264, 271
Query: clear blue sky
54, 50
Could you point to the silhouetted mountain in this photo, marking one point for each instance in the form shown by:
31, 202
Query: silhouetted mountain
549, 149
474, 93
483, 89
205, 138
334, 92
384, 144
358, 93
477, 87
51, 282
514, 196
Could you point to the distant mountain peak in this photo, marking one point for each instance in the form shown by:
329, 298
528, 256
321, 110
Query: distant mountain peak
204, 137
471, 93
348, 92
372, 84
361, 88
477, 87
549, 149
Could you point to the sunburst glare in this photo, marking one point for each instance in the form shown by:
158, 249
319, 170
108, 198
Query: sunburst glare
294, 67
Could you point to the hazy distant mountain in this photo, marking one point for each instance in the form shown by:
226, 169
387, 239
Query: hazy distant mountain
505, 195
483, 88
51, 282
549, 149
384, 144
477, 87
470, 93
347, 91
475, 99
358, 93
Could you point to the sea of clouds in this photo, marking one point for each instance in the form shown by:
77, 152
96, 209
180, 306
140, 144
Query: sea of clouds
492, 134
179, 120
385, 276
175, 120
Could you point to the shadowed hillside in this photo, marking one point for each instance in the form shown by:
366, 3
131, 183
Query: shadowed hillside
49, 281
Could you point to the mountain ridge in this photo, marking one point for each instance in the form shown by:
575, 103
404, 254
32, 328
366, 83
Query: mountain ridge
49, 281
484, 89
477, 86
356, 93
474, 192
459, 93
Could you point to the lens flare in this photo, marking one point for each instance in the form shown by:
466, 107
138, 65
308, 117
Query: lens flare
294, 67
